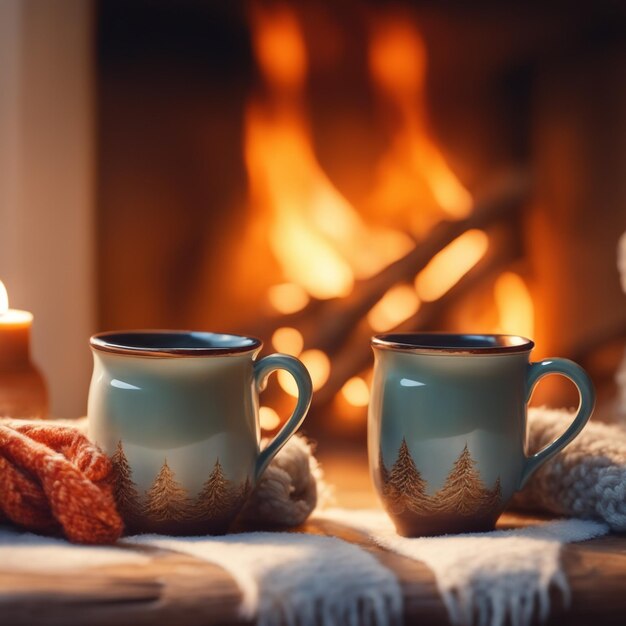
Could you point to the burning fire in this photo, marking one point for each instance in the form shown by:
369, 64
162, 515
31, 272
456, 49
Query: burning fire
447, 267
515, 305
413, 177
279, 47
321, 243
396, 306
319, 240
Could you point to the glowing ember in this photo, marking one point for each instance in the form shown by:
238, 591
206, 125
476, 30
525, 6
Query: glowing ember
397, 60
318, 364
288, 340
4, 299
319, 240
447, 267
287, 298
396, 306
356, 392
268, 418
515, 305
278, 46
413, 171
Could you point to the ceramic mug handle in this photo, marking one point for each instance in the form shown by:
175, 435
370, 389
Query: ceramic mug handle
579, 377
262, 369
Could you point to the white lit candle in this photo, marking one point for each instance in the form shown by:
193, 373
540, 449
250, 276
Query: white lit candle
14, 333
22, 388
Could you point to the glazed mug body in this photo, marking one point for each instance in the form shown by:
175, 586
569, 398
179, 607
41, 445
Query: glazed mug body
447, 427
177, 412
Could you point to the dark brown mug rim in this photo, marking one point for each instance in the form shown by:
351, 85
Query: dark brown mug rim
173, 343
453, 343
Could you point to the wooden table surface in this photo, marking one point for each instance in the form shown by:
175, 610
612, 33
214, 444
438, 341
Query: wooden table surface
176, 588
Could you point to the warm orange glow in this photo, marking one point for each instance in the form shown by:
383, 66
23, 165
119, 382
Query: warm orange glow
397, 305
356, 392
452, 197
268, 418
447, 267
4, 299
278, 46
318, 364
397, 58
319, 240
12, 317
515, 305
288, 340
287, 298
284, 177
413, 174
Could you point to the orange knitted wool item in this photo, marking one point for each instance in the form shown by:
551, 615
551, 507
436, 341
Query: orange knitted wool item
53, 478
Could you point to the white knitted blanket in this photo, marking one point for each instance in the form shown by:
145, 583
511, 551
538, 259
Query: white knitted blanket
490, 578
587, 479
296, 578
284, 578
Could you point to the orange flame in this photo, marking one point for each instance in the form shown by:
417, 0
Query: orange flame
320, 241
413, 168
447, 267
515, 305
279, 47
396, 306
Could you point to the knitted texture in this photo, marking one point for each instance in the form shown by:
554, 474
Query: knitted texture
289, 489
587, 479
52, 479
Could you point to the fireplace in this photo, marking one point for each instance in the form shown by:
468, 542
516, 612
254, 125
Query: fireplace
313, 174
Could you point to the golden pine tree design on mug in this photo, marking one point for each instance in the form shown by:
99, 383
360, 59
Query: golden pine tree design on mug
463, 493
219, 497
167, 500
404, 486
125, 490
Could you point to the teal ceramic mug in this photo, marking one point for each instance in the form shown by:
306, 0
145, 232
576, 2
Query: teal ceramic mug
447, 426
178, 414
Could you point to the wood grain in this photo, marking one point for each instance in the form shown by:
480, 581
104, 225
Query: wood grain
170, 588
181, 589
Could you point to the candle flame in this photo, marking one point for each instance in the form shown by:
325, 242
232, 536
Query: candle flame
4, 299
